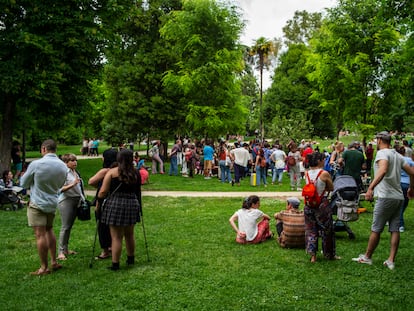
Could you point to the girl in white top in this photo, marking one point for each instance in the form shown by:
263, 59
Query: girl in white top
248, 229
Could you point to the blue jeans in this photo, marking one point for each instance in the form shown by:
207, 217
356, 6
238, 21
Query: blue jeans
277, 174
224, 171
173, 166
404, 188
260, 175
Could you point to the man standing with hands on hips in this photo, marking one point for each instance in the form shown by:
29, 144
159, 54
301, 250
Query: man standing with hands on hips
44, 177
386, 188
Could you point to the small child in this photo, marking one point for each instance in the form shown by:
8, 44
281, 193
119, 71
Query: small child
248, 229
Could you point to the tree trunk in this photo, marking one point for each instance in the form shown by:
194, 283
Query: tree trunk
261, 98
6, 133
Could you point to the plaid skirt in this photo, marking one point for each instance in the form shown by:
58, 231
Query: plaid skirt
121, 209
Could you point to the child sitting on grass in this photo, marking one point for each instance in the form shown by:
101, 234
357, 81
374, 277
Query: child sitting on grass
248, 229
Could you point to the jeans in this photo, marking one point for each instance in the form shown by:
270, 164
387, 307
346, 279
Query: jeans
239, 172
174, 166
404, 205
260, 175
277, 174
224, 171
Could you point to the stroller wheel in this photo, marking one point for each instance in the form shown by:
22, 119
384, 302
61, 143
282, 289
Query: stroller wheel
351, 236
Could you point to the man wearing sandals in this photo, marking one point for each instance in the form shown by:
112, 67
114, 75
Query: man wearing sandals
44, 177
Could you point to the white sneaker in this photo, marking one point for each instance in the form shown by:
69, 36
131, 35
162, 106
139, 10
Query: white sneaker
402, 229
390, 265
363, 259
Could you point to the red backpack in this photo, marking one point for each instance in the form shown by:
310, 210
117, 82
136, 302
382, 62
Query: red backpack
310, 192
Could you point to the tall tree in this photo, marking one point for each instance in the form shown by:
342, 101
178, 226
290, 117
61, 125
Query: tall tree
301, 28
137, 103
348, 63
49, 52
262, 53
204, 36
288, 98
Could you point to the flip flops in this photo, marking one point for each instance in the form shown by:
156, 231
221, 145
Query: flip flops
40, 272
56, 266
103, 256
62, 257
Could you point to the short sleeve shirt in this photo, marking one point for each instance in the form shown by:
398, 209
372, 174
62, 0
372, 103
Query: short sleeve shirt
247, 221
390, 186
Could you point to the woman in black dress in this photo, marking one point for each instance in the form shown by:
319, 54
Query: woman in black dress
122, 189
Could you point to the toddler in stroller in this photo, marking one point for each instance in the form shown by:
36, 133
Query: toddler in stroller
344, 202
9, 194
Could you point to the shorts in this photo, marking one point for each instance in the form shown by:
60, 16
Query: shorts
386, 210
208, 164
18, 166
37, 218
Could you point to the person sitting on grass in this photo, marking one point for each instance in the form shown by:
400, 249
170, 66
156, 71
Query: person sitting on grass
248, 229
290, 225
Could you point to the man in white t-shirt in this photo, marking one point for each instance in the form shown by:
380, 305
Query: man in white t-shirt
278, 157
386, 188
241, 157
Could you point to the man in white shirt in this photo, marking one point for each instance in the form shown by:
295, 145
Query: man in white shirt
44, 177
241, 157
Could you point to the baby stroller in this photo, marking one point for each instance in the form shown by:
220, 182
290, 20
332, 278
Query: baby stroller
344, 202
10, 196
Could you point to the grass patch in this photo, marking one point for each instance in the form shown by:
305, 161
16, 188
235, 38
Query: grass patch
196, 265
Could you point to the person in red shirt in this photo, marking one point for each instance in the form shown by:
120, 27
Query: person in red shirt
308, 150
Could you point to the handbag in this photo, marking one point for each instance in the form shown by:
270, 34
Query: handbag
84, 209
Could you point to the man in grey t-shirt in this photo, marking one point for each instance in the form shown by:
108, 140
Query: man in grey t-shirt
386, 188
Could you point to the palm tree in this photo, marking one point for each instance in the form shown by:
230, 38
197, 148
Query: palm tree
261, 55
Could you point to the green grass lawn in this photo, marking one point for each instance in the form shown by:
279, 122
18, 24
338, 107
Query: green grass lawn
196, 265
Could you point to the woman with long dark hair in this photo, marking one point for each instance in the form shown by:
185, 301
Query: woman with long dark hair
253, 224
109, 161
122, 189
318, 219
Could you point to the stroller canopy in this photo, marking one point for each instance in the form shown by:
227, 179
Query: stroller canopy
346, 187
344, 182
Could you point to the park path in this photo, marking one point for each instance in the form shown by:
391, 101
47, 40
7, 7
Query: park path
216, 194
207, 194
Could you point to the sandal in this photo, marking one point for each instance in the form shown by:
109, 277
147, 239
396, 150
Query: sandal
103, 256
71, 253
61, 257
56, 266
40, 272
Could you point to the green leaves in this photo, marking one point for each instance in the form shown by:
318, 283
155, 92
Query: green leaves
203, 36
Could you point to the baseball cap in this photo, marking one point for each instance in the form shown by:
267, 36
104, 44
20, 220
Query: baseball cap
294, 201
383, 134
352, 144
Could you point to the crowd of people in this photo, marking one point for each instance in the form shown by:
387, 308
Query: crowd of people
55, 184
392, 186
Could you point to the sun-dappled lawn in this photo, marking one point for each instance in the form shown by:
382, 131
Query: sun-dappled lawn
196, 265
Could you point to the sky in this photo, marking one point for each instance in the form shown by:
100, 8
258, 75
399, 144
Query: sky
266, 18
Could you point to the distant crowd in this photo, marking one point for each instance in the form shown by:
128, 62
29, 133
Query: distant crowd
264, 161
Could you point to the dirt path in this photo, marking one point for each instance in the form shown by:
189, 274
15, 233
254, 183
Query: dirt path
177, 194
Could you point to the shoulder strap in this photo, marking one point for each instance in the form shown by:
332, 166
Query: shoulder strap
317, 176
